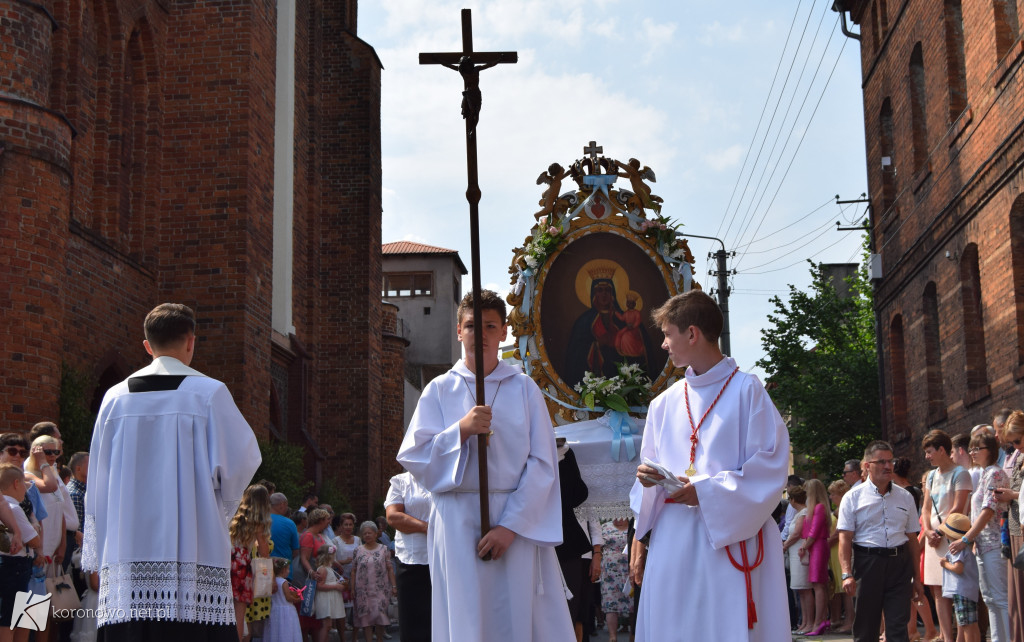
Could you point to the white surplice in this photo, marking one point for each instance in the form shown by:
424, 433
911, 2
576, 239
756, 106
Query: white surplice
691, 591
520, 597
165, 469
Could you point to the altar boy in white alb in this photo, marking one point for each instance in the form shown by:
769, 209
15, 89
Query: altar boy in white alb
518, 596
170, 457
714, 563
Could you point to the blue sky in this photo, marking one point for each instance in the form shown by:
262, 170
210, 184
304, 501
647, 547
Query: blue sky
751, 117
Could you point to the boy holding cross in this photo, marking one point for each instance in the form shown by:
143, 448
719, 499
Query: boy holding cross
516, 596
715, 554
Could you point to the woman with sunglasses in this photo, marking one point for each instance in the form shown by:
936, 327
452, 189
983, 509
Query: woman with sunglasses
54, 529
6, 515
14, 449
1013, 432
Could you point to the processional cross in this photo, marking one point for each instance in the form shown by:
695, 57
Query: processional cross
470, 63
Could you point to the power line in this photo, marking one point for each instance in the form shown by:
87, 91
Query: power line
760, 118
786, 227
796, 263
827, 224
801, 141
748, 216
775, 110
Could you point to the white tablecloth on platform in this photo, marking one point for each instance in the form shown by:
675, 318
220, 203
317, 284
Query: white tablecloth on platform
608, 480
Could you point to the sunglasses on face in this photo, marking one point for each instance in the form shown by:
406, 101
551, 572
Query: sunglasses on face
51, 453
14, 451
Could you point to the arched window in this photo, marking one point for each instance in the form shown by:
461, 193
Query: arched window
1017, 261
887, 162
932, 354
898, 375
956, 67
974, 327
1006, 25
139, 150
918, 108
883, 16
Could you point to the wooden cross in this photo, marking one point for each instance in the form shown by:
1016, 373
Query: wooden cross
470, 63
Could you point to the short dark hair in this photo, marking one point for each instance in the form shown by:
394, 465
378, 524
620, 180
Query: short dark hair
47, 428
169, 323
901, 466
875, 446
692, 308
13, 439
989, 443
77, 459
269, 485
963, 440
489, 300
795, 480
937, 439
854, 463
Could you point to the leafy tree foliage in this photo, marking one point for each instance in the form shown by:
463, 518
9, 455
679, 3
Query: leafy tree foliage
822, 368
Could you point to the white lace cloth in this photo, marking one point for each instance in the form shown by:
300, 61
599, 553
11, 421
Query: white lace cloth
608, 481
179, 591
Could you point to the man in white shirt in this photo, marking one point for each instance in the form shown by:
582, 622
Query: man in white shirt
878, 549
408, 510
170, 457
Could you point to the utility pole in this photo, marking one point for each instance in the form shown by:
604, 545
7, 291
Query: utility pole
723, 290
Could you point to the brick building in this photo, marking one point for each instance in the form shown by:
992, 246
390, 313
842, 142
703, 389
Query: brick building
944, 118
221, 154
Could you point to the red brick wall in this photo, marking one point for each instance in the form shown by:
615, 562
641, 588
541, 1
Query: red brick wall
35, 179
392, 412
345, 236
166, 193
963, 195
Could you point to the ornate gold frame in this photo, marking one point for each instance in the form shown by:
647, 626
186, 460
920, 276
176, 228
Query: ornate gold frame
635, 218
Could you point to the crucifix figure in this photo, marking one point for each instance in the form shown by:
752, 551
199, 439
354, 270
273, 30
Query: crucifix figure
469, 64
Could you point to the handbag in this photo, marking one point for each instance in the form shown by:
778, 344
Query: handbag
63, 596
262, 577
308, 606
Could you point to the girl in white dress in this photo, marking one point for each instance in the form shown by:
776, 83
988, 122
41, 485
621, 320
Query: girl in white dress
329, 603
283, 624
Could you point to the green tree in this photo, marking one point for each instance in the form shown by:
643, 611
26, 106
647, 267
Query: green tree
822, 368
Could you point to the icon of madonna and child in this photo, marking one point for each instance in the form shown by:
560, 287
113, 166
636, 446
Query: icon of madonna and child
612, 330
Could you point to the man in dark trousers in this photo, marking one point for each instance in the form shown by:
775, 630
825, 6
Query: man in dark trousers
878, 549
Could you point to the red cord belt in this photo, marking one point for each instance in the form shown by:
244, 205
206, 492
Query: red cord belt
746, 569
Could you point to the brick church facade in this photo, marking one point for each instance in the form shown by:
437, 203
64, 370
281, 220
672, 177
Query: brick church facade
944, 121
220, 154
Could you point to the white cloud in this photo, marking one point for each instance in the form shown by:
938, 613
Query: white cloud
726, 158
656, 35
716, 33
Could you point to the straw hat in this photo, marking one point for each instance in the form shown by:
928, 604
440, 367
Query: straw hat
955, 526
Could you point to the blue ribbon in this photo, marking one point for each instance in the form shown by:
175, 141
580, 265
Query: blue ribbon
527, 275
619, 423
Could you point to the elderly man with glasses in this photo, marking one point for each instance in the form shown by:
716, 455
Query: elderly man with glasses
878, 550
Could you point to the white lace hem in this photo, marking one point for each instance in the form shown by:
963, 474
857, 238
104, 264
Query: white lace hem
89, 559
178, 591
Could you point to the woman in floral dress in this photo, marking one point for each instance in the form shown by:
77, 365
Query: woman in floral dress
614, 576
373, 583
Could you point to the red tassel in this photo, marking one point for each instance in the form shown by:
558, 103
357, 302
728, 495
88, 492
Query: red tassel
746, 569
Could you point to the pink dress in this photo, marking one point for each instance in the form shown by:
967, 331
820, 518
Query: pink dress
816, 526
373, 587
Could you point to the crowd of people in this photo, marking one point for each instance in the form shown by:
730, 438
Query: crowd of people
936, 560
352, 574
872, 553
